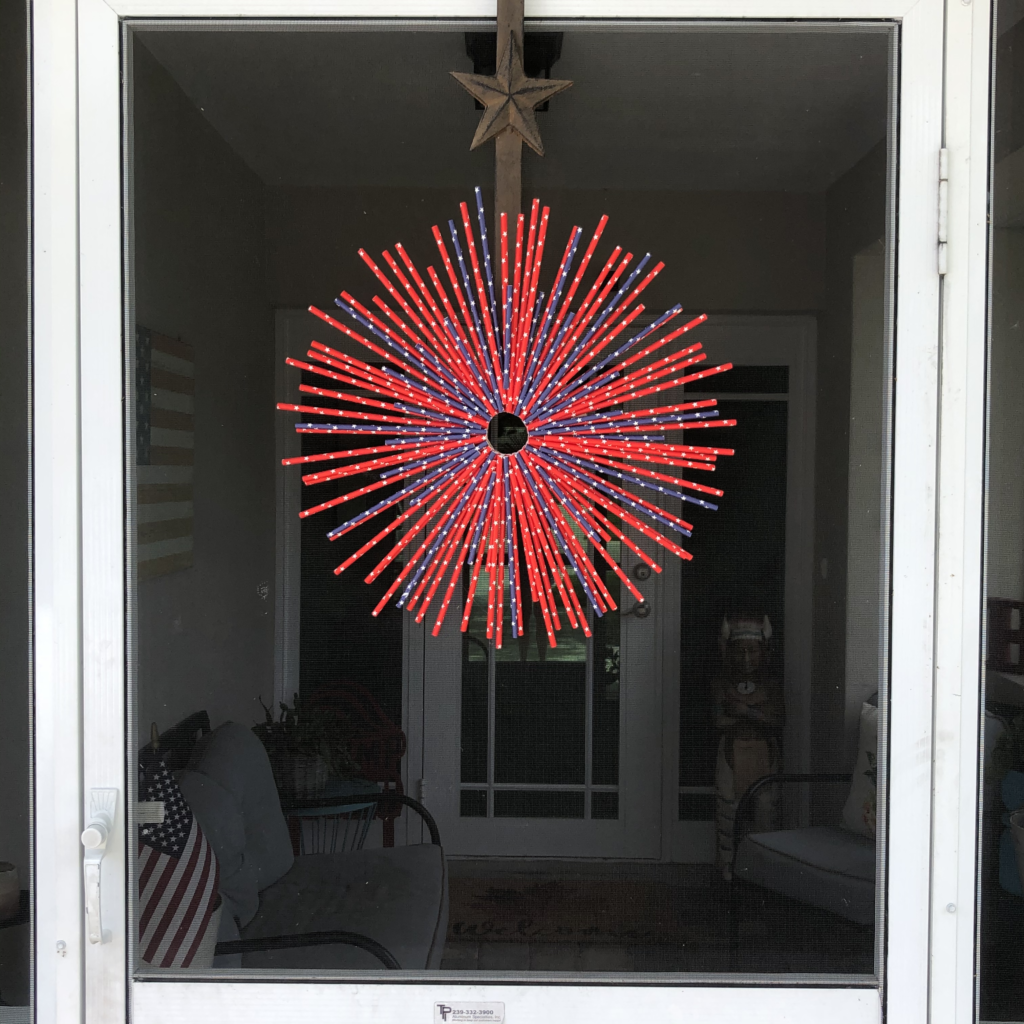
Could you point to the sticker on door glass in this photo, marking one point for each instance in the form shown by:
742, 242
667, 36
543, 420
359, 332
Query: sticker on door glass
460, 1013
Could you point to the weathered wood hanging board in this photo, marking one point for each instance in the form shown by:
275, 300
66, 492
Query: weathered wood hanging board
509, 100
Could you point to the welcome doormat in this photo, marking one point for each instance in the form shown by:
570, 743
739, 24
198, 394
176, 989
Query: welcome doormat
584, 910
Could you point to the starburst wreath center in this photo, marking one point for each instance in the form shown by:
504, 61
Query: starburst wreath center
511, 423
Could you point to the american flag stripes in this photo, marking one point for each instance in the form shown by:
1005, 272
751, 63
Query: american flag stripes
512, 427
178, 878
164, 445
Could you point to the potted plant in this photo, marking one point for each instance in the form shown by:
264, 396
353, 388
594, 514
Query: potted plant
306, 747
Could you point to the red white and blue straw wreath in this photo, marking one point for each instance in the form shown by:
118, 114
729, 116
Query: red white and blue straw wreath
510, 422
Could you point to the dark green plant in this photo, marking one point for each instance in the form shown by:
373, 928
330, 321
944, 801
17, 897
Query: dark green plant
306, 730
611, 660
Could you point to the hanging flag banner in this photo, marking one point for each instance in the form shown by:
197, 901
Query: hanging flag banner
511, 422
164, 449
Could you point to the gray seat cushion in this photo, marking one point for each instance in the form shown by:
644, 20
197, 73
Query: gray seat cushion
230, 787
397, 896
825, 866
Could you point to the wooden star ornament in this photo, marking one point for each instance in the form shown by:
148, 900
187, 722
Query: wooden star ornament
509, 98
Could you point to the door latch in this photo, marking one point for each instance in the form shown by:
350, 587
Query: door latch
102, 809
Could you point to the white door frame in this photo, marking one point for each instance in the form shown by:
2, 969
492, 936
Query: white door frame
960, 446
79, 533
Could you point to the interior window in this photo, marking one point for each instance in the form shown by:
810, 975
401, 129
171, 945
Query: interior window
690, 780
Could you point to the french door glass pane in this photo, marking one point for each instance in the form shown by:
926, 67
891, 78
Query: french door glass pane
537, 702
729, 717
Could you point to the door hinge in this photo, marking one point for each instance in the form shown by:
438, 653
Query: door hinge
943, 208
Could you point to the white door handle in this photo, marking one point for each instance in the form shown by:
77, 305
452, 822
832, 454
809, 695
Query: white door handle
102, 808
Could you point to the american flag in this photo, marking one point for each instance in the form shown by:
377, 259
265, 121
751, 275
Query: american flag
164, 442
178, 875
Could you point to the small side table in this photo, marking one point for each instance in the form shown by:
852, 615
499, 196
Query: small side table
338, 814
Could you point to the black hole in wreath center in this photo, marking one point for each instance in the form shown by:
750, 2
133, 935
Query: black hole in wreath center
506, 433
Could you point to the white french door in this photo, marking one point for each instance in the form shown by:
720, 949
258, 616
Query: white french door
85, 642
638, 817
555, 797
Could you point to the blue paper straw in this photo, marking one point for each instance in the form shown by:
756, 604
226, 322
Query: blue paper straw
487, 259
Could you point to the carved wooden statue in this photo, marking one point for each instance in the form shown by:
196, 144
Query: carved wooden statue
749, 713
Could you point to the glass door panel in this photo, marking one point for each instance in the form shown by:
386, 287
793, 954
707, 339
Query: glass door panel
762, 136
566, 777
554, 729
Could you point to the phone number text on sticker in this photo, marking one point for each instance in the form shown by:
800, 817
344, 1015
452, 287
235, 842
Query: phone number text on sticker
461, 1013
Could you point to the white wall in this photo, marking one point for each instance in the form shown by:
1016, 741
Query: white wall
723, 251
206, 633
864, 599
855, 219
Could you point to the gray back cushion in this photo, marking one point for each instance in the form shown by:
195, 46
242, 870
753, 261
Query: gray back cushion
230, 788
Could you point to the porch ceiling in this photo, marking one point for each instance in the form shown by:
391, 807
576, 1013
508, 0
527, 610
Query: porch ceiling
650, 109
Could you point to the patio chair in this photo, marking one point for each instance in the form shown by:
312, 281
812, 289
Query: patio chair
826, 865
340, 909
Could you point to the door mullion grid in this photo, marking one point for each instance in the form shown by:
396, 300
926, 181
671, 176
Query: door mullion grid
588, 785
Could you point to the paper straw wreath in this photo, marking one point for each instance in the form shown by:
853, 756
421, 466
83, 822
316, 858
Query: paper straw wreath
508, 422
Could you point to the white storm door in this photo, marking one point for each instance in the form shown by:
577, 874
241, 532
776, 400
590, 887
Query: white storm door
80, 251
